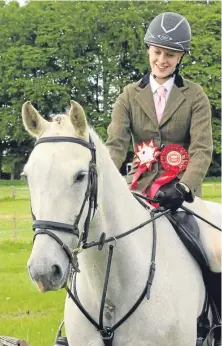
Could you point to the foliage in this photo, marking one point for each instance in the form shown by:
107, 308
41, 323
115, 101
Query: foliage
54, 51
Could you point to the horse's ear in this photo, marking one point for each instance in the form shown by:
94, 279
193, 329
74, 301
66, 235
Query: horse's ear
78, 119
34, 123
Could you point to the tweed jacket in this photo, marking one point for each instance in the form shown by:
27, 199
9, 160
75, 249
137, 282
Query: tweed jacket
186, 121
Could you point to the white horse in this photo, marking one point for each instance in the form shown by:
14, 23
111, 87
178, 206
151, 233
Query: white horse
58, 175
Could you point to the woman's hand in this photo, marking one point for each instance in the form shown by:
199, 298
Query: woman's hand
173, 197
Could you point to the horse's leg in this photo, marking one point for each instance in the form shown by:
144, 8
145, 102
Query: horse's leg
185, 337
79, 331
211, 240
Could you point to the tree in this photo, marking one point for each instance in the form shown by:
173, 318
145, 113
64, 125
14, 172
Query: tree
88, 51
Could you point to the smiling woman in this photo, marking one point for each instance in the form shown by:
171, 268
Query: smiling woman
169, 116
163, 62
165, 109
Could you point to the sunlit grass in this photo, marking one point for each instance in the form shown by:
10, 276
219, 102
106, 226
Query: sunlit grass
24, 312
212, 192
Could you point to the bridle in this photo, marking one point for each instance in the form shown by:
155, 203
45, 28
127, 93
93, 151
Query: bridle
43, 226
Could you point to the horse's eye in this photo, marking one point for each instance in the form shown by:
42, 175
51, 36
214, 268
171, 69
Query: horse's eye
80, 177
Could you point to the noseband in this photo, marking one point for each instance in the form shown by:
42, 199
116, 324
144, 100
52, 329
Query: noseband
43, 226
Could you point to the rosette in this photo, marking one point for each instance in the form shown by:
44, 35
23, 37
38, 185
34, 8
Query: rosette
174, 159
146, 154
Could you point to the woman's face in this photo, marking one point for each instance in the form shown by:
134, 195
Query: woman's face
163, 62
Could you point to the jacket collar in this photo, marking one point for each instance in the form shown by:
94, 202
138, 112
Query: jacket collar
178, 81
145, 99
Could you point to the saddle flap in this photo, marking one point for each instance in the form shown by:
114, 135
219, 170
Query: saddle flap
187, 229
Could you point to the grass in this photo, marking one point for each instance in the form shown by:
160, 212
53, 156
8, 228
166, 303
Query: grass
20, 182
24, 312
212, 191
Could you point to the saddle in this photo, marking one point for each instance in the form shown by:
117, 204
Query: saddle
188, 231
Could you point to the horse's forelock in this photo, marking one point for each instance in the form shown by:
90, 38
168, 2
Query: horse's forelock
59, 117
60, 123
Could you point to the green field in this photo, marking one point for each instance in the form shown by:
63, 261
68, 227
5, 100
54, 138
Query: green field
24, 312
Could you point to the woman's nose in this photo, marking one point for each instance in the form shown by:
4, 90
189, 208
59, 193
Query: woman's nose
162, 58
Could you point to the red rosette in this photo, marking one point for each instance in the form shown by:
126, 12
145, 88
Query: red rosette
174, 159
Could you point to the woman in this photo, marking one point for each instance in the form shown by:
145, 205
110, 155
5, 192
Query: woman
161, 111
186, 119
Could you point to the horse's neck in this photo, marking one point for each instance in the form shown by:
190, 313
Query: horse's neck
118, 211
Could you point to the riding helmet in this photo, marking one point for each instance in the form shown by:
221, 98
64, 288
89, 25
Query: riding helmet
169, 30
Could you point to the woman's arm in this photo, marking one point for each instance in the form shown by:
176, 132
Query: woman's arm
201, 144
119, 133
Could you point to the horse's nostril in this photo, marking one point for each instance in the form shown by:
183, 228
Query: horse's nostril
57, 273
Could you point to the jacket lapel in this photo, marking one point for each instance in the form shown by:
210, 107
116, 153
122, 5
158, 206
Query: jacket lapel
145, 100
174, 101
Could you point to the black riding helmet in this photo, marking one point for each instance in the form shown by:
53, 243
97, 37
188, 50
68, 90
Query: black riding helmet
169, 30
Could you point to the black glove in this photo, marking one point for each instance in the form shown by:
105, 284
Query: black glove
172, 198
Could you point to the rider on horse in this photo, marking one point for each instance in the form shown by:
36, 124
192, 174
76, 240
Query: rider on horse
168, 119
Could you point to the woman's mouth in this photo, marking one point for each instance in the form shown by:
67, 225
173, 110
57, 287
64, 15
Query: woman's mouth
162, 68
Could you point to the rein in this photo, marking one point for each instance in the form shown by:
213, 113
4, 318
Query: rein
43, 226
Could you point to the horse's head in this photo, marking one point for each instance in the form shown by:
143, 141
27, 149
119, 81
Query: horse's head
59, 172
